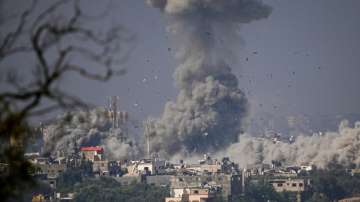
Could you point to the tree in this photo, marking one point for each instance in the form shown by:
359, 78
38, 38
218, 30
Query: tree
332, 184
260, 192
51, 45
107, 189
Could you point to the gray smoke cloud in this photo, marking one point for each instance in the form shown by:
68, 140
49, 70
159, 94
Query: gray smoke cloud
342, 146
87, 128
208, 112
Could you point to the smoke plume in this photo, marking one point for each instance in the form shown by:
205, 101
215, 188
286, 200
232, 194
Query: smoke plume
86, 128
319, 149
207, 113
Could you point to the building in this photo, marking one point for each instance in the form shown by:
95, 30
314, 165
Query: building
191, 195
174, 199
38, 198
352, 199
51, 170
101, 167
64, 197
114, 168
200, 195
355, 171
289, 185
146, 167
92, 153
227, 185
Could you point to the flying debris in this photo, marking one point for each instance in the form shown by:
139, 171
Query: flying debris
209, 94
255, 52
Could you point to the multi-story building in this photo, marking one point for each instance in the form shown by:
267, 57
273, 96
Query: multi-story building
289, 185
92, 153
228, 185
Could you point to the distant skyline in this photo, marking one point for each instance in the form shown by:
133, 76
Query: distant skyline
303, 59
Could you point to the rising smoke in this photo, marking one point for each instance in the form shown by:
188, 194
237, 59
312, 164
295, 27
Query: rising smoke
319, 149
87, 128
208, 112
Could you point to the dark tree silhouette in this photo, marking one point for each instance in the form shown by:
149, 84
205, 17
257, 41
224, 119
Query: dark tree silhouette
51, 44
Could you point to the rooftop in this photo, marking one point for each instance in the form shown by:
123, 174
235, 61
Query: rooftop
95, 148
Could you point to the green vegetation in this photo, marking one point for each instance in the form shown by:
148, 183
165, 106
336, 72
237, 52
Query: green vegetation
332, 184
327, 185
108, 189
263, 192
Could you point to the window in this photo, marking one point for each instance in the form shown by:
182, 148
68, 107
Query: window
300, 184
279, 184
294, 184
196, 191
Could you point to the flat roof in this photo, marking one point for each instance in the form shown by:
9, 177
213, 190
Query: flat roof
95, 148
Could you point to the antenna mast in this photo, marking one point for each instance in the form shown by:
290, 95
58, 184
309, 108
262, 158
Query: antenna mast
147, 129
113, 110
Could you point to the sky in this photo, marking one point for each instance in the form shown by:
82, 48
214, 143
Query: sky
303, 59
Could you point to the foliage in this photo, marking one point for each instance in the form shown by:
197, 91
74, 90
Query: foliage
260, 192
68, 179
108, 189
333, 184
50, 45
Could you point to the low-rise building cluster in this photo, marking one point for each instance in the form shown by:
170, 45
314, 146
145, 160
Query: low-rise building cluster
206, 180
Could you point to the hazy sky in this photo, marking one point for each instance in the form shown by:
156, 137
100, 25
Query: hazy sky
307, 61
